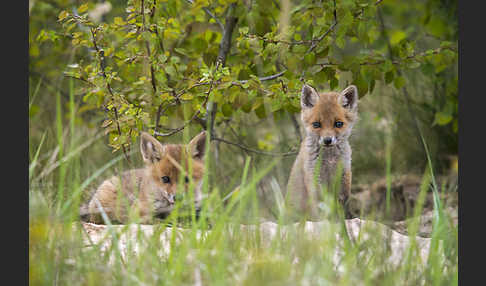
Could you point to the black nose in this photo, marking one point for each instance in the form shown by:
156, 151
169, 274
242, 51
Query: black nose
327, 140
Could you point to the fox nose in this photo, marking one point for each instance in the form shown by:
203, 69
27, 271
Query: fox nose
327, 141
171, 199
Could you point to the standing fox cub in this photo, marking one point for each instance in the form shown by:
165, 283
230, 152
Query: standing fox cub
150, 192
328, 119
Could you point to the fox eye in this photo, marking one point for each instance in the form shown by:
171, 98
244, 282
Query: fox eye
165, 179
186, 179
316, 124
338, 124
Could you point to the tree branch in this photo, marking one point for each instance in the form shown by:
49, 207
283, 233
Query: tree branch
225, 44
319, 39
152, 70
224, 47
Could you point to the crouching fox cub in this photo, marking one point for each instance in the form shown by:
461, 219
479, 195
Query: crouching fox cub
328, 119
150, 191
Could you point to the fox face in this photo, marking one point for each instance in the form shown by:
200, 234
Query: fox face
329, 117
168, 166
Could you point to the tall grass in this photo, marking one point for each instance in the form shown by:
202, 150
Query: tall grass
215, 249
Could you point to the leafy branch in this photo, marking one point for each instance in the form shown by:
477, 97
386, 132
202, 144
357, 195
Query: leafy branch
414, 56
100, 54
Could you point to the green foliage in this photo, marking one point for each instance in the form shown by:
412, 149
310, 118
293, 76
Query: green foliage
158, 64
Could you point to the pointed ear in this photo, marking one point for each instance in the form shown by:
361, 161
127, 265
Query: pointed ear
151, 149
308, 97
349, 97
197, 146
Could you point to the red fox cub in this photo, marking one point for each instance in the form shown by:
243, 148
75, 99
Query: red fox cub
150, 191
328, 119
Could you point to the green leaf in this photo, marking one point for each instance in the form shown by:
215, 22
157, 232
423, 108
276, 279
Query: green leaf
227, 110
247, 107
362, 85
413, 64
442, 118
320, 77
244, 30
387, 66
63, 15
397, 36
347, 19
333, 83
83, 8
119, 21
260, 111
310, 59
340, 42
436, 27
399, 82
389, 76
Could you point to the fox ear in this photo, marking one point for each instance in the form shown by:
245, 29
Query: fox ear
151, 149
349, 97
308, 97
198, 145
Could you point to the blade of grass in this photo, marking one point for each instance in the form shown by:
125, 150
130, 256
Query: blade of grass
60, 143
388, 174
51, 167
34, 160
35, 93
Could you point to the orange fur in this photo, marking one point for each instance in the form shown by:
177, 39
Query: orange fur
324, 139
143, 191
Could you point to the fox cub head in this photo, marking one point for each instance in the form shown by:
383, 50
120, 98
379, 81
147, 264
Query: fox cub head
168, 166
329, 117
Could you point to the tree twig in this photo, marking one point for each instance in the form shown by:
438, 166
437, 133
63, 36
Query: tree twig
224, 47
225, 44
312, 42
206, 10
80, 79
180, 128
270, 77
290, 153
